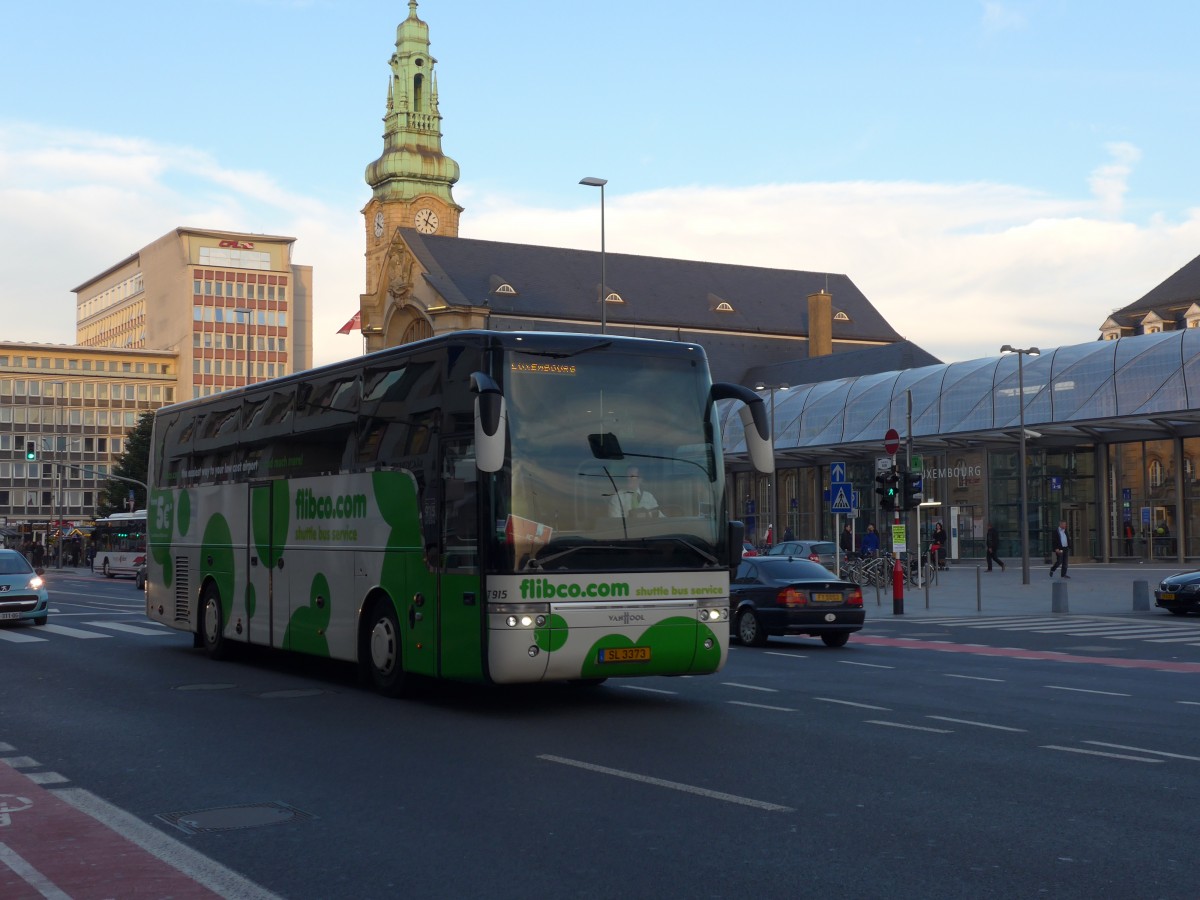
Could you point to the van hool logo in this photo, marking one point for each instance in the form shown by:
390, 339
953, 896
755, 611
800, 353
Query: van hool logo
627, 618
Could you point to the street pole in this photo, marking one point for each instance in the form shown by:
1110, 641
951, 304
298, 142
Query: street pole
600, 183
1022, 460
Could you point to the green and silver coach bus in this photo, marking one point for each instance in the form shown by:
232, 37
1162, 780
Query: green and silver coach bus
453, 508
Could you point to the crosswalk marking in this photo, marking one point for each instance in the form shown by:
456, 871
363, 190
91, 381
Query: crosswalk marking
130, 629
1158, 633
74, 632
18, 637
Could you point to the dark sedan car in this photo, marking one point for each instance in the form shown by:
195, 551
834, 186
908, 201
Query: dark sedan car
1179, 593
774, 595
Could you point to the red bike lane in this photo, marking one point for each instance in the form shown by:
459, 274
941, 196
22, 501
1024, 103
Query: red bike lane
50, 849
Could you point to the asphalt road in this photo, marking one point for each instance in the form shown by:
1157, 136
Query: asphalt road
928, 758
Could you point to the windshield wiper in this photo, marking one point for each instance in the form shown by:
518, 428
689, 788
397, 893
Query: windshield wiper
550, 354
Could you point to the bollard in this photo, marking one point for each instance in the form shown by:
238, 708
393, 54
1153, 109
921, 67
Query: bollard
978, 591
1141, 596
897, 589
1058, 599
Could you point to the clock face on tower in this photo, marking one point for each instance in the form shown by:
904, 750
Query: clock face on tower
379, 224
427, 221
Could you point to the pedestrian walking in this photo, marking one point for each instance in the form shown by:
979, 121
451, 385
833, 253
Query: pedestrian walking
1062, 549
992, 541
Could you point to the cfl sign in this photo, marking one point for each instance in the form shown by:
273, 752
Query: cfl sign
237, 245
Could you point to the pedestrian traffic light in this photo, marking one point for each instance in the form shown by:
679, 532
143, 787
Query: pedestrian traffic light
887, 489
912, 490
30, 452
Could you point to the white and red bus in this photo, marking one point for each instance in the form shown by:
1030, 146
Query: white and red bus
119, 543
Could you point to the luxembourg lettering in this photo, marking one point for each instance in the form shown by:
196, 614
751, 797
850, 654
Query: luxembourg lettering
955, 472
544, 368
544, 589
346, 506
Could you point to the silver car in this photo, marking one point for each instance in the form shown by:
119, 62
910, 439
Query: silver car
823, 552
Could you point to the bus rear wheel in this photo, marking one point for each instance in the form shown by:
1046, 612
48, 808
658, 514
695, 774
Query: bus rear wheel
382, 653
212, 623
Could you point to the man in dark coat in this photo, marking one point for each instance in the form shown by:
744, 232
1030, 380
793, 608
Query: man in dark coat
992, 541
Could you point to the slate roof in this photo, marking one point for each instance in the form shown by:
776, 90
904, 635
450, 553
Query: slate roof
673, 293
1173, 295
850, 363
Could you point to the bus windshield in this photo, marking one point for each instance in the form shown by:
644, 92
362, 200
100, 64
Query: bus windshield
604, 474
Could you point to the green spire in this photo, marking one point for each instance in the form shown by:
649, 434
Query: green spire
412, 163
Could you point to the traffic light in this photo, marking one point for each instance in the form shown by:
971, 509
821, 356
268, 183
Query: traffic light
887, 482
30, 452
912, 490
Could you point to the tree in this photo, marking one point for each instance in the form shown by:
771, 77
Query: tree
133, 463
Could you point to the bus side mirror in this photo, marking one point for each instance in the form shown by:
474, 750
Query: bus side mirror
491, 423
737, 537
755, 423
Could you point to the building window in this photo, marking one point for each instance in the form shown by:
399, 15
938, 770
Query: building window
1156, 474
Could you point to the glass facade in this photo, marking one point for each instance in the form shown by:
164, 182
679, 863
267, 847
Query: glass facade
1112, 445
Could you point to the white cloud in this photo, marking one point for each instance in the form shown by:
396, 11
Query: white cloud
958, 268
1110, 182
1001, 17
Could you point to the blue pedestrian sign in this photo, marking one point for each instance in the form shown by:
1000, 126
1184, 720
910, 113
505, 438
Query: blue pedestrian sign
841, 496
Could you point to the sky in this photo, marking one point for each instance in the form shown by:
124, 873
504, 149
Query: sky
986, 173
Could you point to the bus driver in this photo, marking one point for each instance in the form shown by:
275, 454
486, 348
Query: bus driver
632, 501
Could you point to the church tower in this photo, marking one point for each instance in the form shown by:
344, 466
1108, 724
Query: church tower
411, 180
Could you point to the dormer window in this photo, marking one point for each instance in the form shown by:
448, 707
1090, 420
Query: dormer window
723, 307
840, 316
613, 297
499, 285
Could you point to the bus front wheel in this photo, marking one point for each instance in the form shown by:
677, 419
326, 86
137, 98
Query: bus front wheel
212, 623
383, 654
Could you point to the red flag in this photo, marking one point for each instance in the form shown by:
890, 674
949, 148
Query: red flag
354, 323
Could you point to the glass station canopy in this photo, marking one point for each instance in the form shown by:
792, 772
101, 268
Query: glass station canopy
1136, 388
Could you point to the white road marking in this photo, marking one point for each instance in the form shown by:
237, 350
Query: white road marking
977, 724
851, 703
1100, 753
46, 778
131, 629
1059, 687
909, 727
22, 762
788, 655
214, 876
1145, 750
972, 677
759, 706
648, 690
30, 875
74, 632
18, 637
673, 785
849, 662
750, 687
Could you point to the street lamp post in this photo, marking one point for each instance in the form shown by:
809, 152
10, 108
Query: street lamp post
772, 388
1022, 352
600, 183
